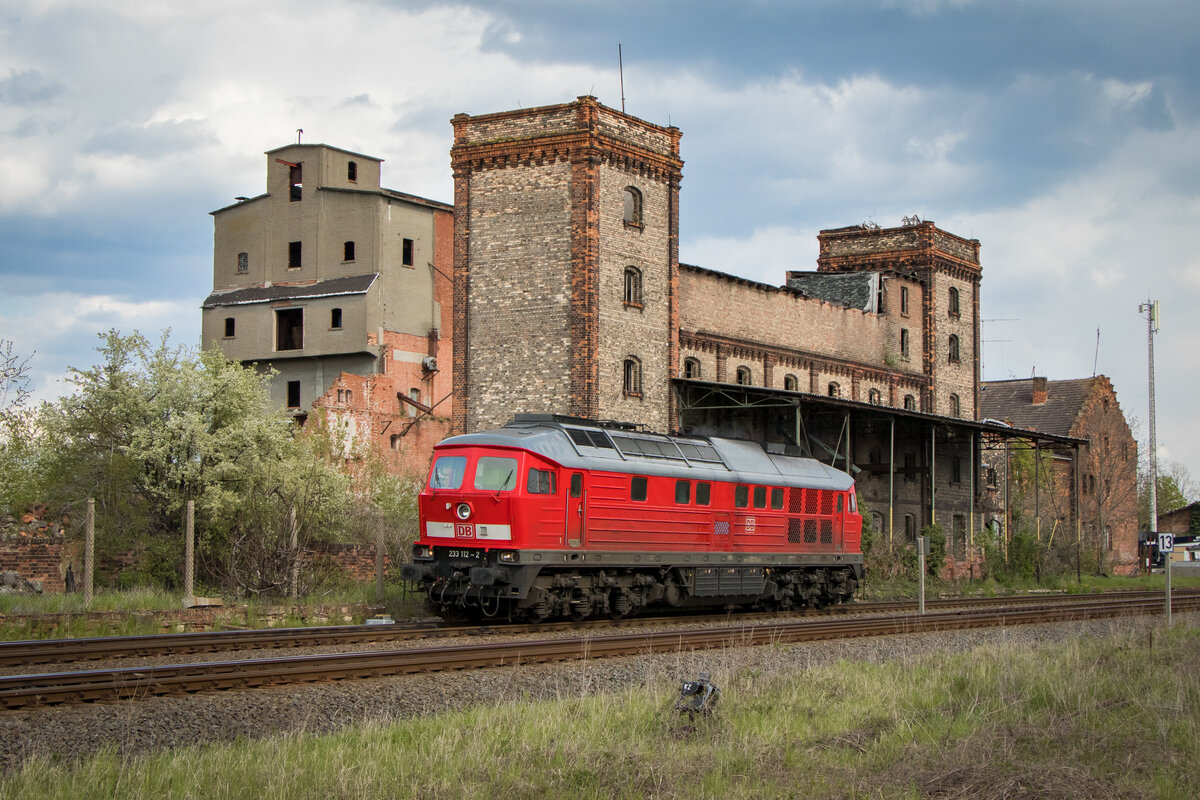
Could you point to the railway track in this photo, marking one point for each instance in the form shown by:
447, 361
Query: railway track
67, 651
22, 691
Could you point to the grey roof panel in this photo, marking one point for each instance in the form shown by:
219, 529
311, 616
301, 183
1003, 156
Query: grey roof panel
352, 284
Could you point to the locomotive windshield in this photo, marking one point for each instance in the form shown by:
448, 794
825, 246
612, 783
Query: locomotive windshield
448, 472
495, 474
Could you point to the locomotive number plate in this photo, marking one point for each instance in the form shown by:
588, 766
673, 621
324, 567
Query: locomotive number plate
464, 530
464, 553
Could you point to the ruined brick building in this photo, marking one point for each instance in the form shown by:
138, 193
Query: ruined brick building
343, 289
568, 297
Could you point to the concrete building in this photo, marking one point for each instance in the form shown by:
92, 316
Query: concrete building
342, 288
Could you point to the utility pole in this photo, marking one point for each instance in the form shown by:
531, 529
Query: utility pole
1150, 309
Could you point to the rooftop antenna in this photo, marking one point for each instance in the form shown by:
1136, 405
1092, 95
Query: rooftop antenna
298, 132
1096, 359
621, 70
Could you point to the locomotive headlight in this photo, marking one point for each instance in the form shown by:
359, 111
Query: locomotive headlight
463, 511
422, 551
510, 556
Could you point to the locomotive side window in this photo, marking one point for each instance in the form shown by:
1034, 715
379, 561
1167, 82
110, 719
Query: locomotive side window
683, 492
577, 485
541, 481
637, 488
741, 496
703, 491
448, 472
776, 498
839, 504
760, 497
495, 474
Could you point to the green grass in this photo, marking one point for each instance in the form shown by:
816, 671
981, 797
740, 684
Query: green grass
1101, 718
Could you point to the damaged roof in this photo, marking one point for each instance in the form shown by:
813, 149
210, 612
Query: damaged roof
850, 289
1012, 402
333, 287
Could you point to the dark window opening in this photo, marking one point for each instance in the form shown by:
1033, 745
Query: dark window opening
954, 302
955, 406
348, 251
293, 392
243, 262
691, 368
910, 462
229, 327
835, 390
633, 377
296, 181
839, 503
352, 171
406, 255
874, 397
904, 300
633, 206
741, 496
637, 489
633, 286
703, 492
294, 255
335, 318
904, 342
289, 329
777, 498
953, 349
760, 497
683, 492
790, 383
910, 403
541, 481
743, 376
956, 470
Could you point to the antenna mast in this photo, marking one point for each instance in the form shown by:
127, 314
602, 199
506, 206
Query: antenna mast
621, 70
1096, 359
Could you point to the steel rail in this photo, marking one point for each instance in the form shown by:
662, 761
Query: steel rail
63, 651
22, 691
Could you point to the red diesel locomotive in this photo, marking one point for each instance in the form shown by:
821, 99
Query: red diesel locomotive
551, 516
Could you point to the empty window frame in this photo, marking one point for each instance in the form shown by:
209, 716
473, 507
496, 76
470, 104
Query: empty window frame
952, 305
910, 463
230, 327
289, 329
956, 470
952, 349
904, 342
348, 251
293, 394
904, 300
633, 206
406, 253
633, 377
910, 403
955, 406
910, 528
744, 378
835, 389
335, 318
874, 397
691, 368
243, 262
352, 171
790, 383
295, 255
637, 488
633, 287
295, 182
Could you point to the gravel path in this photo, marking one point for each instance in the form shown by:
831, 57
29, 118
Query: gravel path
149, 725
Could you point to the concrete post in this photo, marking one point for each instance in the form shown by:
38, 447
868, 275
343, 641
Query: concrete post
189, 556
379, 561
89, 548
295, 552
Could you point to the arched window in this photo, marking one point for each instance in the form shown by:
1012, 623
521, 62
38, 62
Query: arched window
874, 397
743, 376
633, 287
633, 206
910, 403
790, 383
835, 389
952, 354
955, 406
953, 305
691, 368
633, 377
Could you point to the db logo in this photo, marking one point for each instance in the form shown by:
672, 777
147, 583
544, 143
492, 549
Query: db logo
464, 530
749, 524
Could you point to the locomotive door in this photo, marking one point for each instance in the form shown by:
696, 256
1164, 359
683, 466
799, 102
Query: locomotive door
576, 510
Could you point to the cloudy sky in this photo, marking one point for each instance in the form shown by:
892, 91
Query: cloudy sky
1064, 134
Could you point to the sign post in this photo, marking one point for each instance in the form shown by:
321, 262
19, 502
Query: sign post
922, 544
1166, 546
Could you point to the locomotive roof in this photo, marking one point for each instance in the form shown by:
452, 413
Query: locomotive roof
589, 446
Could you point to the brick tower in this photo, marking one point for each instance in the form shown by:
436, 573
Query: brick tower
566, 262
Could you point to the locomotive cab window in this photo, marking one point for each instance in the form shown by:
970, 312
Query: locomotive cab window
637, 488
760, 497
448, 472
683, 492
703, 492
839, 504
577, 485
540, 481
741, 496
495, 474
776, 498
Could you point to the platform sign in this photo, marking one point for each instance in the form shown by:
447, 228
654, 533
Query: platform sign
1166, 542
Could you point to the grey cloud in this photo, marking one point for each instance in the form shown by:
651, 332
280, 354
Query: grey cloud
150, 141
27, 88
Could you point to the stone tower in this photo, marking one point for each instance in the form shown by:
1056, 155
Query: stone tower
566, 262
